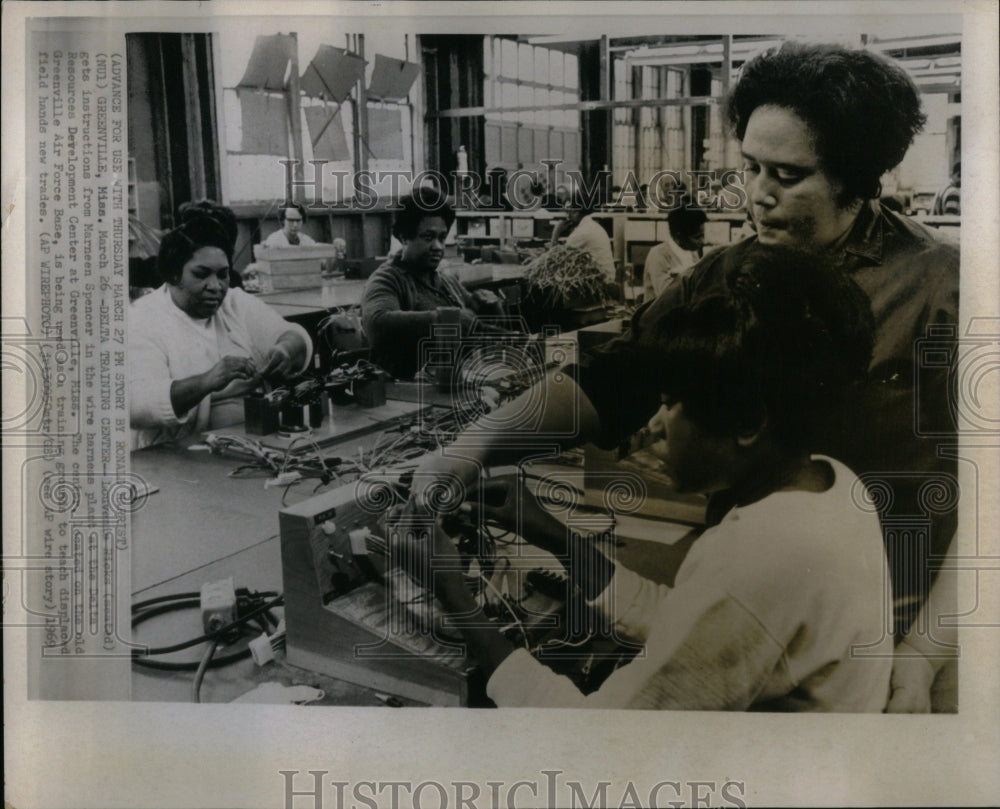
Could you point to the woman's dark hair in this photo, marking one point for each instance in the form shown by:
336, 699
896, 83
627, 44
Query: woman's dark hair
221, 214
786, 340
209, 207
181, 243
862, 109
685, 221
422, 202
282, 211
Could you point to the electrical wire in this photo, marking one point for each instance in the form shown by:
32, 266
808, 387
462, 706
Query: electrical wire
188, 602
500, 538
206, 660
513, 615
418, 435
558, 643
261, 615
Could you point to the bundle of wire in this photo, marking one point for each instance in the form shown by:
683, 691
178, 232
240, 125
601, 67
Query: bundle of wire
254, 612
350, 318
317, 464
412, 438
305, 392
277, 464
361, 370
394, 447
257, 455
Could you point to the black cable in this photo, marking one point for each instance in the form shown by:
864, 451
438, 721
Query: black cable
217, 662
241, 592
160, 599
186, 602
160, 608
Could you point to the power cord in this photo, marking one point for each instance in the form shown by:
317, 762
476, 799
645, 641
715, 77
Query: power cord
253, 609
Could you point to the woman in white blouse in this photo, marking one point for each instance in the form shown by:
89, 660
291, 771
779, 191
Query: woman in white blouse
196, 347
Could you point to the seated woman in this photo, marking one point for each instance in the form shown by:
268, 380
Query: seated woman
407, 297
675, 255
292, 218
197, 347
582, 231
225, 216
781, 604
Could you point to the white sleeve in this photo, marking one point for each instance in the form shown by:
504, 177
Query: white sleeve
718, 658
631, 602
150, 378
662, 269
265, 325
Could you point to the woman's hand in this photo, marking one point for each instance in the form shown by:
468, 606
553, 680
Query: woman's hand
442, 481
516, 509
187, 393
286, 357
447, 577
278, 364
429, 555
468, 320
487, 302
226, 370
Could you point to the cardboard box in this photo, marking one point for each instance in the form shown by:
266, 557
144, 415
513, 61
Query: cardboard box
294, 267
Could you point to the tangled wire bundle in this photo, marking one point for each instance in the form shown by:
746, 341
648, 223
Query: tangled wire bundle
567, 277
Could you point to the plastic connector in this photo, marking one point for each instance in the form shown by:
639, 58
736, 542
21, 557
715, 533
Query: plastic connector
359, 541
263, 648
218, 604
260, 649
283, 479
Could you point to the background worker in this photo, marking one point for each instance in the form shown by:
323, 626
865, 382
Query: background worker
948, 201
407, 296
582, 231
668, 260
292, 219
